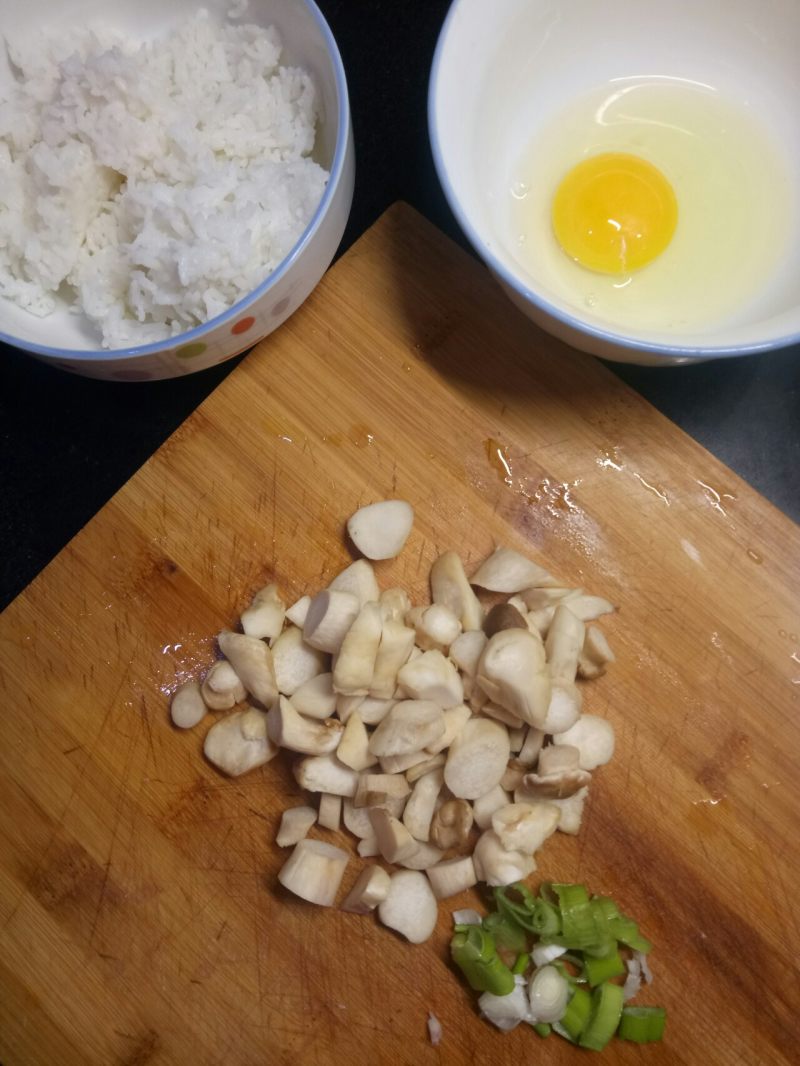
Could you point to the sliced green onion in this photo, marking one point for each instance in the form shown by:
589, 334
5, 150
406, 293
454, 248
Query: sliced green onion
542, 1029
475, 954
642, 1024
607, 907
606, 1011
545, 919
627, 932
599, 970
507, 933
574, 1019
521, 963
570, 895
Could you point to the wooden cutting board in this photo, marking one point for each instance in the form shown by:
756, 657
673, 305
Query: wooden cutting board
140, 914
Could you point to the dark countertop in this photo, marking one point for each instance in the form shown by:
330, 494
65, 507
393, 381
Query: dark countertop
69, 443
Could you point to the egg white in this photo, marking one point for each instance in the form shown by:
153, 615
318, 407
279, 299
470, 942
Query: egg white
736, 212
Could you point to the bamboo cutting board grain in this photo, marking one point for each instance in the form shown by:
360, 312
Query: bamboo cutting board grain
140, 917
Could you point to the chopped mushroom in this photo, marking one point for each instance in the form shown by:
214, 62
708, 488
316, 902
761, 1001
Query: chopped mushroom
452, 876
187, 707
423, 858
455, 718
371, 888
353, 749
330, 811
524, 827
450, 587
563, 644
325, 773
594, 739
414, 773
394, 649
466, 651
507, 571
421, 804
400, 764
556, 785
315, 698
355, 663
253, 662
436, 626
239, 742
512, 673
291, 730
484, 806
380, 530
588, 608
264, 617
314, 871
296, 614
296, 661
358, 578
564, 708
503, 616
394, 604
356, 819
410, 907
477, 758
394, 840
496, 865
329, 617
432, 677
295, 824
221, 689
451, 824
409, 726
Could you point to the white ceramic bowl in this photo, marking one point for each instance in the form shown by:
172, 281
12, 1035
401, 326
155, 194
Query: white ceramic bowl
68, 341
503, 71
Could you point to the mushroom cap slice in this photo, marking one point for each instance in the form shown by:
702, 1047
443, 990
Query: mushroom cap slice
507, 570
409, 726
410, 907
380, 530
477, 758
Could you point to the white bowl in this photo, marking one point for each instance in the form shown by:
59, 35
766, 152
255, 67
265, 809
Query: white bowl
67, 340
503, 72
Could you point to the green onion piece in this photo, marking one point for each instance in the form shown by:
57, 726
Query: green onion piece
542, 1028
517, 910
522, 963
570, 895
606, 1012
574, 1019
545, 919
603, 949
579, 926
475, 954
627, 932
642, 1024
599, 970
607, 907
546, 892
506, 932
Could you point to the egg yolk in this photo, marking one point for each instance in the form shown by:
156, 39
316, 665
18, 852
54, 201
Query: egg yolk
614, 213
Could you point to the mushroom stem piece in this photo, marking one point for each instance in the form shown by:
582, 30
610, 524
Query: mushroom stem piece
314, 871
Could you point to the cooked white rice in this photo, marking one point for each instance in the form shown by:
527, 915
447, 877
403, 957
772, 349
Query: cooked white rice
154, 184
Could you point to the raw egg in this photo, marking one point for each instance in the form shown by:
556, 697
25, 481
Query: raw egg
655, 202
614, 213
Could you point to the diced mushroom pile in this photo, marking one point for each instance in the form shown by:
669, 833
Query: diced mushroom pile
415, 726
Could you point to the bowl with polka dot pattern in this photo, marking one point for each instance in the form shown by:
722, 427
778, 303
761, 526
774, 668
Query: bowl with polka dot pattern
67, 340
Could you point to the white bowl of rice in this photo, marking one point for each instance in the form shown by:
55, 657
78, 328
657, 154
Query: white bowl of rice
175, 178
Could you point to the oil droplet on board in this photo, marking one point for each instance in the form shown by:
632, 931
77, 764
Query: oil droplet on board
360, 436
496, 454
758, 559
610, 459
